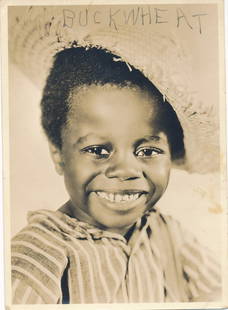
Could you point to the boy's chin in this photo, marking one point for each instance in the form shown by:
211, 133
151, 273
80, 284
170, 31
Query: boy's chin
115, 216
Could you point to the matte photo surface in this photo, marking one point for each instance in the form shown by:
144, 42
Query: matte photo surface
115, 141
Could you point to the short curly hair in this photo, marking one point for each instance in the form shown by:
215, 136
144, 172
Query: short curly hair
83, 66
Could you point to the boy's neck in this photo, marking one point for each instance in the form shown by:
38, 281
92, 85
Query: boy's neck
83, 217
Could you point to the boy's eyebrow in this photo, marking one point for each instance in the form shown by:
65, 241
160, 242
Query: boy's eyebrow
83, 139
147, 139
137, 143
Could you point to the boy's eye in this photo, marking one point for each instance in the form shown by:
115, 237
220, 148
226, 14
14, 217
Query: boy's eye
148, 152
98, 151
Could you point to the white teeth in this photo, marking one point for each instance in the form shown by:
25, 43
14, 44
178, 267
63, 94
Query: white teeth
111, 197
118, 197
102, 194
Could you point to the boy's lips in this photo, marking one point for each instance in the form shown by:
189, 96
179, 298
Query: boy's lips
120, 200
120, 196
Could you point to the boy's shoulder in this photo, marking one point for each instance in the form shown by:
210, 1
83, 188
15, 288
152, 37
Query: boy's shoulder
39, 257
163, 224
41, 239
197, 266
50, 225
172, 238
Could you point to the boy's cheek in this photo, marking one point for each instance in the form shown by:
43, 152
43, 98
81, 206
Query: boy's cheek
77, 176
159, 169
79, 162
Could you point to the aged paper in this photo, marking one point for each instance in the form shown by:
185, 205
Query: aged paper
196, 199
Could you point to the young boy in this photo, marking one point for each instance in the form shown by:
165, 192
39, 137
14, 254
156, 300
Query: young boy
114, 138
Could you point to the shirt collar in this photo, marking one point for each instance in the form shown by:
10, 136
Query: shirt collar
81, 230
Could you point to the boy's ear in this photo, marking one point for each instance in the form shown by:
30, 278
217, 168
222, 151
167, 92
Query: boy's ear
57, 158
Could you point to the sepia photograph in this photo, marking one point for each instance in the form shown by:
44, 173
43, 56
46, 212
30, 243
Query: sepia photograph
114, 143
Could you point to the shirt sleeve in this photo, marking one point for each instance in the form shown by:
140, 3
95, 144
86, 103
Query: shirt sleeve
24, 294
37, 264
201, 271
191, 272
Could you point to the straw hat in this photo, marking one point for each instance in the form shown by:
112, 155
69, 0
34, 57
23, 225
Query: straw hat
36, 34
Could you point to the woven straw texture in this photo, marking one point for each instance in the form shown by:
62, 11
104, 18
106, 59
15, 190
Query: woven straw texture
35, 37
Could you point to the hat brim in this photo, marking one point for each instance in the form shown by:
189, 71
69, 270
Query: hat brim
38, 34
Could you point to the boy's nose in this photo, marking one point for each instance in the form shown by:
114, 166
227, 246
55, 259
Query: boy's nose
123, 169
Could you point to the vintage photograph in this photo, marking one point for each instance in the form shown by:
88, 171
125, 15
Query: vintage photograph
117, 154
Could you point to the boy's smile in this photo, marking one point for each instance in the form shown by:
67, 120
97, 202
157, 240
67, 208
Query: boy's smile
115, 162
119, 201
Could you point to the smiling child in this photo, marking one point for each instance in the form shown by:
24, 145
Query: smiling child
114, 154
114, 137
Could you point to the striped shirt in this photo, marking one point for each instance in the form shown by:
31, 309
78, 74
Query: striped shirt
57, 259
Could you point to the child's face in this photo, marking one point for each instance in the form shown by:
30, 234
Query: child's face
115, 163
